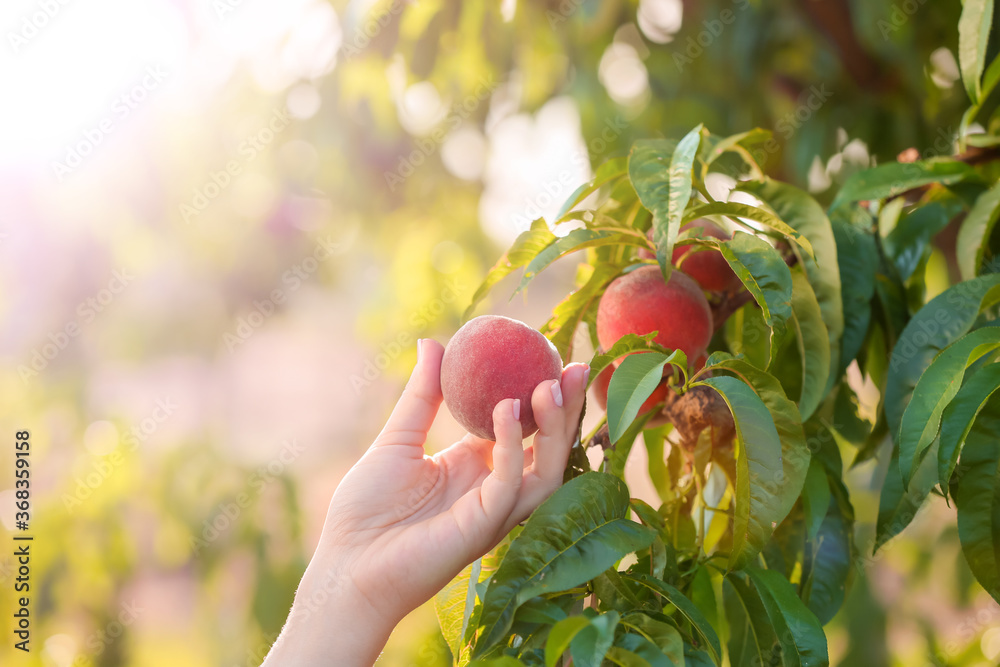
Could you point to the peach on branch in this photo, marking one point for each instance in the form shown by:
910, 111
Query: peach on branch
492, 358
640, 302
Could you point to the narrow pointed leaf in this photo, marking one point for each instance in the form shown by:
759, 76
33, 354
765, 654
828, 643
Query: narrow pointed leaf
946, 318
798, 630
973, 37
974, 234
977, 498
959, 416
759, 471
934, 391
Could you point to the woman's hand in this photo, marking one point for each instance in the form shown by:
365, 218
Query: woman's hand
402, 524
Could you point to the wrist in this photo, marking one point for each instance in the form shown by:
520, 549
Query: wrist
331, 622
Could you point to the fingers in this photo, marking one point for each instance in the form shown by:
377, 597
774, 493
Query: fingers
557, 426
414, 412
500, 489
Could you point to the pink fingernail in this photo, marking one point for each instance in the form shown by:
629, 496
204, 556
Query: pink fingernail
420, 347
586, 375
517, 409
557, 393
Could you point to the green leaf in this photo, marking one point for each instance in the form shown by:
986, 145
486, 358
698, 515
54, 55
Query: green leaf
857, 258
829, 556
899, 504
751, 636
625, 345
660, 170
765, 275
453, 605
658, 474
527, 245
973, 38
935, 389
795, 456
799, 632
632, 383
580, 531
689, 611
617, 456
960, 415
977, 498
909, 241
766, 218
893, 178
561, 635
608, 171
807, 217
637, 651
813, 344
578, 239
591, 644
571, 311
815, 498
759, 471
505, 661
947, 317
738, 144
974, 234
664, 636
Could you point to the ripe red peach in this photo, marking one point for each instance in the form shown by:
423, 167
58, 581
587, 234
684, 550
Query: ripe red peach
640, 302
492, 358
707, 266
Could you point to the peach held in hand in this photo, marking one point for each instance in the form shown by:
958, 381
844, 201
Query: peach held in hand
640, 302
492, 358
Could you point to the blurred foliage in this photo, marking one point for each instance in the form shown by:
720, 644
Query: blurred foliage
874, 71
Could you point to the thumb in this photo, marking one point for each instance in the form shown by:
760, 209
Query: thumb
415, 411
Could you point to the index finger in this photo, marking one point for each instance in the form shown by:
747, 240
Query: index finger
415, 411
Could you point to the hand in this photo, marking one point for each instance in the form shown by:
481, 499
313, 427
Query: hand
402, 524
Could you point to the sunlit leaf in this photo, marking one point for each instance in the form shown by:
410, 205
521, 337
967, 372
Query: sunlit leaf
580, 531
759, 471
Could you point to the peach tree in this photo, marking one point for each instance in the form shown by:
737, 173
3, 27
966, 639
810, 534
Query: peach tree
750, 548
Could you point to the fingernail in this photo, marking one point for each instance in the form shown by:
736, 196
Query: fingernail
557, 393
420, 347
586, 375
517, 409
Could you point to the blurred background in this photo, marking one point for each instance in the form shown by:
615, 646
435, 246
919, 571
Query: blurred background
224, 224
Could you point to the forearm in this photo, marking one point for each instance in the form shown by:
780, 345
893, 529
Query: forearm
329, 624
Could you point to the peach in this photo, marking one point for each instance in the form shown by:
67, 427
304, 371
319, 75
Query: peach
640, 302
492, 358
603, 381
707, 266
